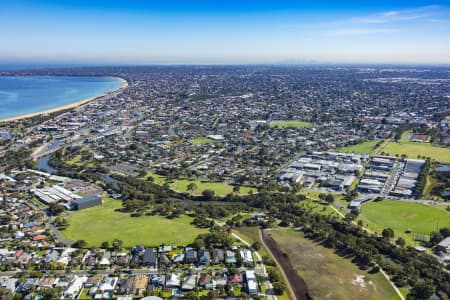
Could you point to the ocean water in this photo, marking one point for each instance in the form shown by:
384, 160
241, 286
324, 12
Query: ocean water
20, 95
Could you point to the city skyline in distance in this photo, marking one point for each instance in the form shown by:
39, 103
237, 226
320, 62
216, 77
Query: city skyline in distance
198, 32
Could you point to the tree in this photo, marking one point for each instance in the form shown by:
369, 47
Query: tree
256, 245
387, 233
208, 195
79, 244
329, 198
423, 290
400, 242
191, 186
55, 208
278, 287
117, 244
199, 243
105, 245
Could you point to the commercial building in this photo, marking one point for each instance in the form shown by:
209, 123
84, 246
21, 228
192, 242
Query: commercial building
86, 202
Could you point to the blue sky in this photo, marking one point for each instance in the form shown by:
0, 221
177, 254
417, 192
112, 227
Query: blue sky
224, 32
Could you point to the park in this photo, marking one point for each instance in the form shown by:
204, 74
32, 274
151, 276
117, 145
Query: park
106, 223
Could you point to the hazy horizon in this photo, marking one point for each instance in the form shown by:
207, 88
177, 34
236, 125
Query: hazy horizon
134, 32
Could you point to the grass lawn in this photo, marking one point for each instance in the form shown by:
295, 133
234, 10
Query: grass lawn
220, 188
158, 179
400, 216
103, 223
328, 275
412, 150
362, 148
201, 141
290, 124
181, 185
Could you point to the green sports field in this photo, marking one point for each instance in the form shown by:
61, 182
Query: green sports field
290, 124
104, 223
201, 141
362, 148
412, 150
401, 215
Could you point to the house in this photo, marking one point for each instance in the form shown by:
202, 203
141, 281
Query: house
8, 283
190, 256
179, 258
189, 283
149, 258
26, 286
204, 279
220, 281
105, 261
164, 260
48, 282
235, 279
75, 286
173, 281
218, 256
204, 258
108, 284
140, 284
246, 256
421, 138
444, 245
126, 286
251, 282
230, 257
93, 281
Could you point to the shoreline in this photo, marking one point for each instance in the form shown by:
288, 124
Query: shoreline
67, 106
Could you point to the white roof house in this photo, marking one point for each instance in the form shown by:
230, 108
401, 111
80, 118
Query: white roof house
76, 284
246, 256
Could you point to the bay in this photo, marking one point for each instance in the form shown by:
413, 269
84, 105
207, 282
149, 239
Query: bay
22, 95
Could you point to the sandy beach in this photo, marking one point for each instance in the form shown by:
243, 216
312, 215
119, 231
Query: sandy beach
64, 107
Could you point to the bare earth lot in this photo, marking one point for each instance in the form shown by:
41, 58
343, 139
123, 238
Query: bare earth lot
327, 275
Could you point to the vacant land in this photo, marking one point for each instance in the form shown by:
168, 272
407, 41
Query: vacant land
201, 141
290, 124
362, 148
327, 275
105, 223
412, 150
401, 215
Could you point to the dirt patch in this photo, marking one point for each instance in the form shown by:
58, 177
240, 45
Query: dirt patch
297, 283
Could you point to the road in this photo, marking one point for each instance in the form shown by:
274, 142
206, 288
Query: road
267, 284
261, 266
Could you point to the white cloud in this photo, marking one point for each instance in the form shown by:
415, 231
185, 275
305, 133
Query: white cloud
420, 13
355, 31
